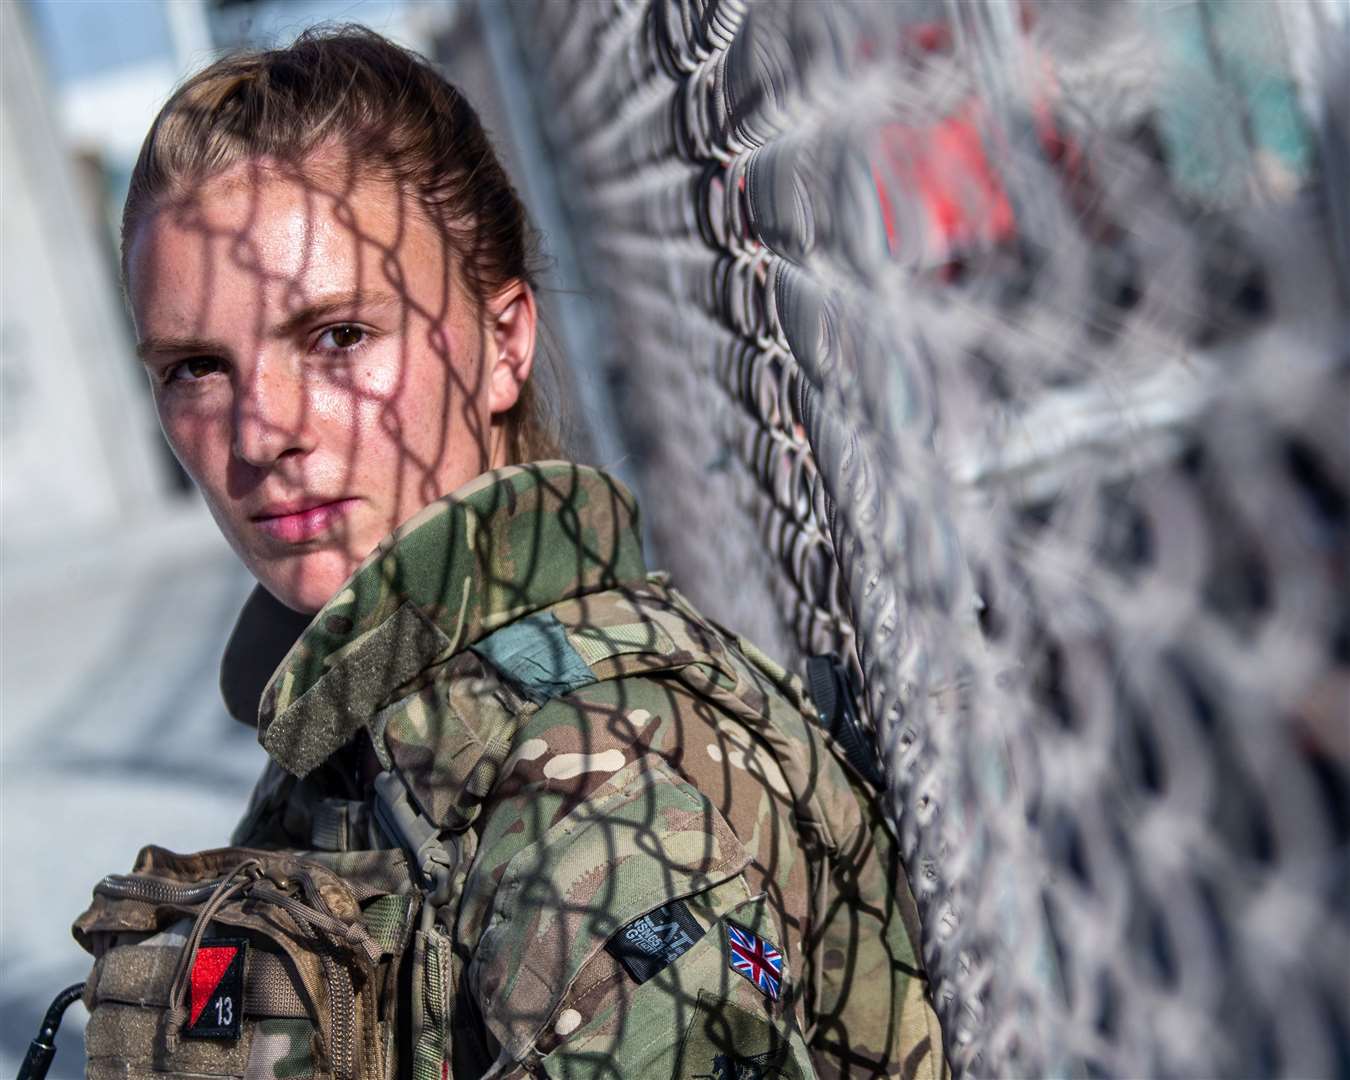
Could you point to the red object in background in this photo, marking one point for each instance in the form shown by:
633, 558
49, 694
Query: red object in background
944, 168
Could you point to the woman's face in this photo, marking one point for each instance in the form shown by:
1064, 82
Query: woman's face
317, 365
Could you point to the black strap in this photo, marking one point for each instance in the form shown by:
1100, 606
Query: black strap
827, 683
42, 1049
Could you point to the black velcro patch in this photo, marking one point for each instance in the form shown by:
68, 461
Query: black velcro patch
660, 937
216, 990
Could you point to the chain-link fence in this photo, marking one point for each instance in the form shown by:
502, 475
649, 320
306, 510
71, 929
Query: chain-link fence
1015, 334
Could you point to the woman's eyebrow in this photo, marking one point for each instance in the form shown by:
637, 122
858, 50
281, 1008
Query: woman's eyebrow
346, 302
324, 307
151, 347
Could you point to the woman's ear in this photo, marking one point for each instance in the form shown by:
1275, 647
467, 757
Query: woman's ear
512, 320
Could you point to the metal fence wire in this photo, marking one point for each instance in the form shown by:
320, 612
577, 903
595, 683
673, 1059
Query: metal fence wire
1002, 348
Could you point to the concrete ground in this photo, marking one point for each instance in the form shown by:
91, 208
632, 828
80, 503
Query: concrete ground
112, 735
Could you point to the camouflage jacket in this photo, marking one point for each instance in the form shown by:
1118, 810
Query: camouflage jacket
652, 863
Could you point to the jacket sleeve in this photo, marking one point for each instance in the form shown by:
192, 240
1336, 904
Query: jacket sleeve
622, 938
872, 1014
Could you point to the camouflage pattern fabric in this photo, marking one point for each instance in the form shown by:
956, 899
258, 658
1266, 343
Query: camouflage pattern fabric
627, 794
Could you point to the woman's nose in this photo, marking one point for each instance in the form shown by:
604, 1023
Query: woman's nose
271, 414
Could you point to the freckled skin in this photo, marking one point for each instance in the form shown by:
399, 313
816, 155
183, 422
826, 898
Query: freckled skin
309, 341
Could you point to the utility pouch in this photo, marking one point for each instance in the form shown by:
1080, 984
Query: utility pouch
247, 963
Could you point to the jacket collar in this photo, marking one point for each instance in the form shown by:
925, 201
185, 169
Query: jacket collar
504, 545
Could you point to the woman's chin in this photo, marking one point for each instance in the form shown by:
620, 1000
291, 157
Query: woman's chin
306, 583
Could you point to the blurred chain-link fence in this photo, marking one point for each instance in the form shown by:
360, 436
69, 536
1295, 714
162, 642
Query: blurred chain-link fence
1015, 335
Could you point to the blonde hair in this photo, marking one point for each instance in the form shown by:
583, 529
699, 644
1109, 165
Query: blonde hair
396, 118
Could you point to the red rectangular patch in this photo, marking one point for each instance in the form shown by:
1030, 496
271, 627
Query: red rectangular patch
216, 990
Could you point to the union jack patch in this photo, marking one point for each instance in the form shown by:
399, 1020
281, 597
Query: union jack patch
755, 958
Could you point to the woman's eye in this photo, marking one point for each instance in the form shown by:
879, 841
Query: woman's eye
341, 338
198, 367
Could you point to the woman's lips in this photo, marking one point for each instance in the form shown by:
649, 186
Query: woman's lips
301, 525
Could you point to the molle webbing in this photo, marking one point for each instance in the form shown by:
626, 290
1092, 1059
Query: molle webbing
142, 974
340, 824
127, 1041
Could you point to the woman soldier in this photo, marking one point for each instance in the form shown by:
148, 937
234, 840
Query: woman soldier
526, 811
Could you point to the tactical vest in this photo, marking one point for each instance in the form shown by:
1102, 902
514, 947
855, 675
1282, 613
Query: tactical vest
339, 959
